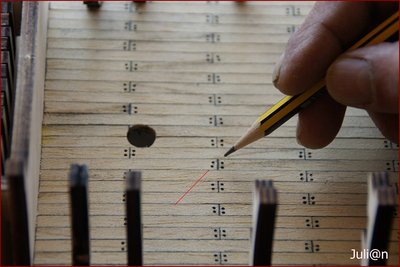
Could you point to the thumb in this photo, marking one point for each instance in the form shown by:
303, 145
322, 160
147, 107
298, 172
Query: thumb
366, 78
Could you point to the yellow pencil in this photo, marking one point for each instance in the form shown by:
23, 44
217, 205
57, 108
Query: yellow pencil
290, 105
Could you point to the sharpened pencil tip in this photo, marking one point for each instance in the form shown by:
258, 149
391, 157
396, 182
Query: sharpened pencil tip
230, 151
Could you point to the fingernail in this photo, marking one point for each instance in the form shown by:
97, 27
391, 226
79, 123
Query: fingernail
350, 82
277, 70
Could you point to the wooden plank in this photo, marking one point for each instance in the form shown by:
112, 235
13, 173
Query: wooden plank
185, 120
319, 179
267, 153
206, 210
228, 65
137, 45
229, 164
187, 99
165, 140
168, 37
155, 87
203, 237
296, 222
118, 25
220, 107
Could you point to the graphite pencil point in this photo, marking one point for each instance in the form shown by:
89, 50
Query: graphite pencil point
230, 151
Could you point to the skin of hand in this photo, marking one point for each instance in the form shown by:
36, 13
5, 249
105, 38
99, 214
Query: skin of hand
364, 78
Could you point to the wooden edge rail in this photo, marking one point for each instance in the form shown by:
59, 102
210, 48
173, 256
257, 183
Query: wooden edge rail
22, 168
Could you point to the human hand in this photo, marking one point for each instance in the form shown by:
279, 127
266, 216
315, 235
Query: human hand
364, 78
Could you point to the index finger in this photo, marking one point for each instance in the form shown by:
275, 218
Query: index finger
329, 29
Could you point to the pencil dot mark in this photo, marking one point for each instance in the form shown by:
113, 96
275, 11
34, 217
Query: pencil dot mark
214, 209
141, 135
222, 211
216, 258
211, 120
386, 143
212, 142
221, 142
213, 188
304, 199
388, 167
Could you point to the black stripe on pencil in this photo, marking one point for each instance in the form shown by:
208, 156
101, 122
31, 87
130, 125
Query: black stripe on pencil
133, 219
265, 203
79, 205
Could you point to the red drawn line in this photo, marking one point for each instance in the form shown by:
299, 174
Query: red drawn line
193, 185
